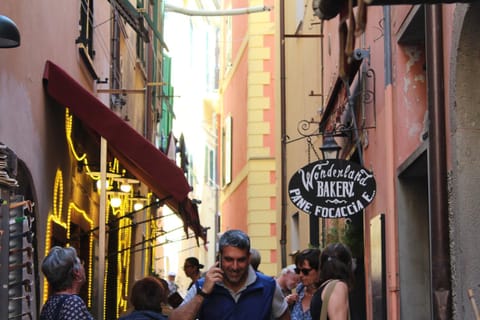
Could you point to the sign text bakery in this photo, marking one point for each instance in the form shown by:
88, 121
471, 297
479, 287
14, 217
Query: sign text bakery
332, 188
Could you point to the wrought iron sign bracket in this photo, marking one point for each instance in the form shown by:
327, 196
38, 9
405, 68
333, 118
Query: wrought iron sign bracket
348, 127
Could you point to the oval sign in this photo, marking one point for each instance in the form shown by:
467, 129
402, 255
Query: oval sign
332, 188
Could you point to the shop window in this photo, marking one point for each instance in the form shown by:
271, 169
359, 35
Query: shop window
210, 166
227, 151
295, 232
300, 12
140, 40
85, 39
80, 240
141, 50
412, 30
228, 45
378, 266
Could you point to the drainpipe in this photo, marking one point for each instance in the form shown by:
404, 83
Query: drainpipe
322, 93
147, 100
115, 44
388, 47
204, 13
441, 295
283, 133
102, 231
390, 278
114, 84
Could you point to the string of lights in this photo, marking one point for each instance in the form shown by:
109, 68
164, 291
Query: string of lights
141, 222
189, 236
158, 202
159, 233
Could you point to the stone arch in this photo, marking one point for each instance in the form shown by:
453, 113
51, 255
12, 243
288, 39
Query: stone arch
464, 181
26, 191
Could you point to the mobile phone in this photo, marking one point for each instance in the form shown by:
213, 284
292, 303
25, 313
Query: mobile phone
219, 258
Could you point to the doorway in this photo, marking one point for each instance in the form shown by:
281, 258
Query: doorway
413, 237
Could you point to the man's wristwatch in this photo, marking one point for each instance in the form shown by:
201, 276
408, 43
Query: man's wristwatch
202, 293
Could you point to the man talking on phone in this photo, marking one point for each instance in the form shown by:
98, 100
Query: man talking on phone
231, 289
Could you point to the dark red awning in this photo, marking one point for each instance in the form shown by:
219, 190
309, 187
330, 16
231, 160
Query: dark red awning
138, 155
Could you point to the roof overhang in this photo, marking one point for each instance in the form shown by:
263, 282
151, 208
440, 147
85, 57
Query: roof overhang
138, 155
328, 9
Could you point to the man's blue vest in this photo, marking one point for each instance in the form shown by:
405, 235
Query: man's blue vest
255, 302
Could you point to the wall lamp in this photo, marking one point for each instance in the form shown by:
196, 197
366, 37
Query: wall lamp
9, 35
137, 206
138, 201
116, 196
330, 149
115, 201
126, 183
96, 175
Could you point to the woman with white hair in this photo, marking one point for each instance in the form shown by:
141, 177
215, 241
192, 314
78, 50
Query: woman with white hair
65, 275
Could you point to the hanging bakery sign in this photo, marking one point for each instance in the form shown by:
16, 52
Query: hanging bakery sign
332, 189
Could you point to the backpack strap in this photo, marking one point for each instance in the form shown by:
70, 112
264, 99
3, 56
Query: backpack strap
328, 291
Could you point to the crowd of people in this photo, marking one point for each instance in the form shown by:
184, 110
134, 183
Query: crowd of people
316, 286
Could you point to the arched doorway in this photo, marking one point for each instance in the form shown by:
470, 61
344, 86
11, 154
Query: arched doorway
465, 156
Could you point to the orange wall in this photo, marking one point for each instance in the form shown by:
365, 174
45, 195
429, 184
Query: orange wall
234, 101
269, 91
235, 207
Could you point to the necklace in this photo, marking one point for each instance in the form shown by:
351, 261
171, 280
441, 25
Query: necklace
311, 288
309, 293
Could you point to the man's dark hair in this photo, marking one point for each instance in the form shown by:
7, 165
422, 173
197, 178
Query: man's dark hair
194, 262
255, 258
234, 238
310, 255
148, 294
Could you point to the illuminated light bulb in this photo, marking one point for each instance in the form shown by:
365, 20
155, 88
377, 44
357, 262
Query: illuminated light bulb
99, 184
138, 206
115, 202
125, 187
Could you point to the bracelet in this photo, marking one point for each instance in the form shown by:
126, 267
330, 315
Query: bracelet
202, 293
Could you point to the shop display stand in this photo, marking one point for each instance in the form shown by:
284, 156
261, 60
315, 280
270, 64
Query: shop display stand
17, 270
4, 236
21, 275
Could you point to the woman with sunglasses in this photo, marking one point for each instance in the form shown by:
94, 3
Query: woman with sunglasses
307, 268
336, 276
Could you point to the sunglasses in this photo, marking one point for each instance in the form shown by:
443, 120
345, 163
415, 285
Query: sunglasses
304, 271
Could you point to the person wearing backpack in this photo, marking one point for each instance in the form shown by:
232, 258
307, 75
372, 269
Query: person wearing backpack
336, 279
